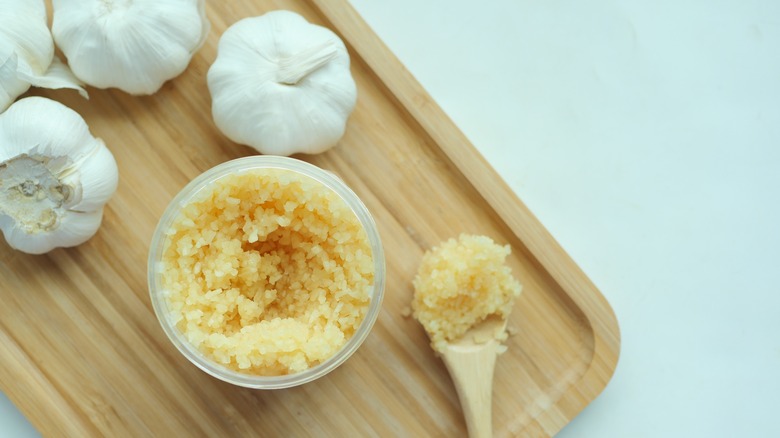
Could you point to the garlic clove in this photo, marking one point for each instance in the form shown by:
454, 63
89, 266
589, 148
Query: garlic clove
94, 180
27, 52
23, 130
74, 228
10, 85
23, 30
133, 45
205, 26
281, 85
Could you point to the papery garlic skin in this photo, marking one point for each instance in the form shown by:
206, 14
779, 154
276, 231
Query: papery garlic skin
55, 177
27, 52
133, 45
281, 85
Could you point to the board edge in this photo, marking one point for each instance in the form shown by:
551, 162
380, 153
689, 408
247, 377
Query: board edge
515, 214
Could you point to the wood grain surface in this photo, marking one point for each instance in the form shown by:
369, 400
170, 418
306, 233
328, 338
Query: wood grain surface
81, 353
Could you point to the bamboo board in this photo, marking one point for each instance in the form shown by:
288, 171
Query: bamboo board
81, 353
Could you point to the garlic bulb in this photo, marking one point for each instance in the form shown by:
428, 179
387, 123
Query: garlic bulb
281, 85
55, 176
27, 52
133, 45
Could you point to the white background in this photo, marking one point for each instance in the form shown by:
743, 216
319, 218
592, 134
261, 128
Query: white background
646, 137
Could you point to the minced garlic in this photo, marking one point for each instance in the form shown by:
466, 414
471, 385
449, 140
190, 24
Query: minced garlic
459, 284
267, 272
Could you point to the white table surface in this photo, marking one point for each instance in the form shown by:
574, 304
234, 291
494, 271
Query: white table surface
646, 137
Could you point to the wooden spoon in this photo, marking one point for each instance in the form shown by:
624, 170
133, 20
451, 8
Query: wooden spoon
470, 361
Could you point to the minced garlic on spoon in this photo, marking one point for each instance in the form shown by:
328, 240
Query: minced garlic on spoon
459, 284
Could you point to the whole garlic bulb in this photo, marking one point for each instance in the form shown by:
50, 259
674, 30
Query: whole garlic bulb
133, 45
27, 52
55, 176
281, 85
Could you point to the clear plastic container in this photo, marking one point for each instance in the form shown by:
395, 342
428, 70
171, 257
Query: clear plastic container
255, 163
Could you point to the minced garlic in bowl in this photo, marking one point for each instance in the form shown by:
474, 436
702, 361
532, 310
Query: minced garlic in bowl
266, 272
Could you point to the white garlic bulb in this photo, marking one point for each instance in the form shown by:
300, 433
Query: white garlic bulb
281, 85
133, 45
55, 176
27, 52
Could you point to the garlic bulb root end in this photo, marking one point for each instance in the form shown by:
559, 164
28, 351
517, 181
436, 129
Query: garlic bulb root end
55, 177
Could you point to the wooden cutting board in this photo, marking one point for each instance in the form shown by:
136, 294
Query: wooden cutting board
81, 353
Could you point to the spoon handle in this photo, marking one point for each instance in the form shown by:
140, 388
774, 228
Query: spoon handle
471, 371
